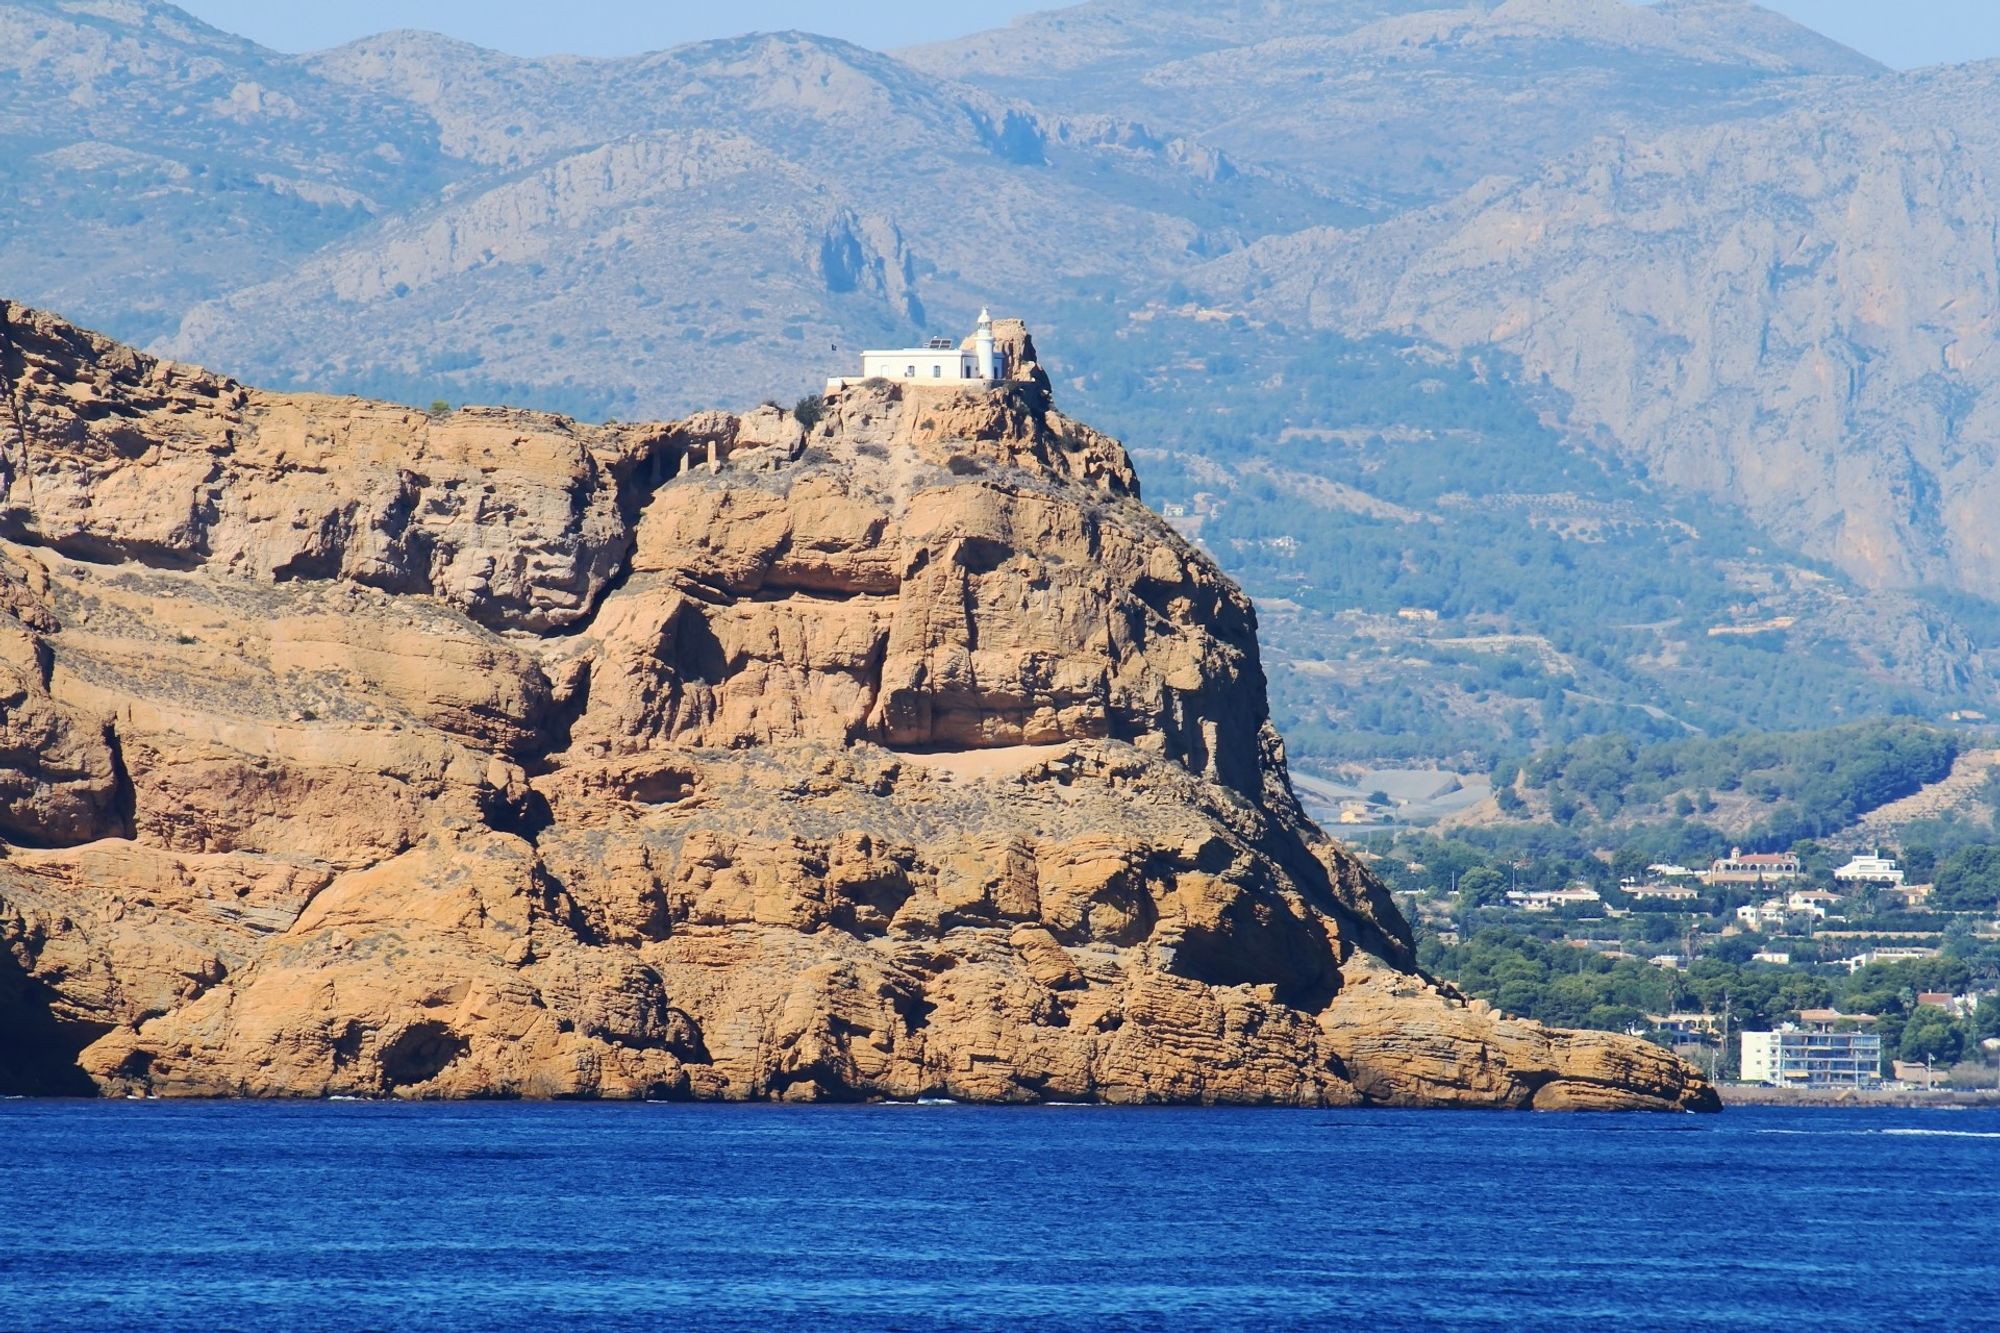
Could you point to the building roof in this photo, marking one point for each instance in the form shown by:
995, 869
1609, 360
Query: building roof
1832, 1016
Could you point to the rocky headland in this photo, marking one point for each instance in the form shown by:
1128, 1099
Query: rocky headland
349, 750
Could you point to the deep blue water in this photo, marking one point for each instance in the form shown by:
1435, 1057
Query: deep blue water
364, 1215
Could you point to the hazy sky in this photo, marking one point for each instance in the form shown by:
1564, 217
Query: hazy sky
1904, 33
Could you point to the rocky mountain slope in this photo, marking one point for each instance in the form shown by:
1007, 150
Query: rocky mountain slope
1807, 335
348, 750
151, 162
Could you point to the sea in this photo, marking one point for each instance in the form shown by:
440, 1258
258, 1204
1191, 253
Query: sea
366, 1215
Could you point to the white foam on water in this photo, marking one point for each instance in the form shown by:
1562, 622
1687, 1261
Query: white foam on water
1901, 1133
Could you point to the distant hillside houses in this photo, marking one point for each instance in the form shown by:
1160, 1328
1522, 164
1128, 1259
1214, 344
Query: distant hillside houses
1800, 908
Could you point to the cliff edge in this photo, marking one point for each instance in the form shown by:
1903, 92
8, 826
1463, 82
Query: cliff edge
346, 750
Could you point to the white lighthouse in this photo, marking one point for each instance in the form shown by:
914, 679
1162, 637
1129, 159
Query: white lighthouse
982, 343
941, 361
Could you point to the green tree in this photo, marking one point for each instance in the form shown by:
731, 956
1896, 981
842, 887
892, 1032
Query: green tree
1969, 881
1919, 864
1986, 1018
1480, 886
1932, 1035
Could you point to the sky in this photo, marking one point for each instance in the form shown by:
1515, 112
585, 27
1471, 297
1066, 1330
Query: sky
1903, 33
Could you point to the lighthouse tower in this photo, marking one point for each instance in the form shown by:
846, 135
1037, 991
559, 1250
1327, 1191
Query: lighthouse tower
982, 343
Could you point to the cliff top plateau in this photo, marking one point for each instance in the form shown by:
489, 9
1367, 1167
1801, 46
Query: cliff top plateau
351, 750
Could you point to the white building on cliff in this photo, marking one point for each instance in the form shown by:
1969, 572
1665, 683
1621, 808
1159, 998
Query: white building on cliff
941, 361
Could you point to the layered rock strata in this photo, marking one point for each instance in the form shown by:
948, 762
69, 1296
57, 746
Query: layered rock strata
347, 750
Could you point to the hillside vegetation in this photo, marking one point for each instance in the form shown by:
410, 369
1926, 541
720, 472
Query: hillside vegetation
1564, 594
1778, 788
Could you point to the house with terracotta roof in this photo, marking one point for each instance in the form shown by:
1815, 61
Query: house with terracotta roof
1753, 868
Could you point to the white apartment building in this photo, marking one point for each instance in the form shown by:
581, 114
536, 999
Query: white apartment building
1794, 1058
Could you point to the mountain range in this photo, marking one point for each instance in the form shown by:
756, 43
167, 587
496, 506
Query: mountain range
1639, 352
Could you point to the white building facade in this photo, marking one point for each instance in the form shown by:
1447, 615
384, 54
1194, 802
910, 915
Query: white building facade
1550, 900
1790, 1058
940, 361
1870, 870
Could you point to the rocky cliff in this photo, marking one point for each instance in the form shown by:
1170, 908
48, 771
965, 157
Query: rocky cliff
350, 750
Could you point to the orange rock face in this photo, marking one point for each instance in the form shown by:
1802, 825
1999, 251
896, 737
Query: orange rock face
347, 750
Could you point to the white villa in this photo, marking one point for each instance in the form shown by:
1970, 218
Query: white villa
1870, 870
1549, 900
940, 361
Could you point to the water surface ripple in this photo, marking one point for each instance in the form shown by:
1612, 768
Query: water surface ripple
202, 1215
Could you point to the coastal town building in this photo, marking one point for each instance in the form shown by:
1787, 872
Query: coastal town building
977, 360
1911, 896
1550, 900
1958, 1006
1817, 902
1663, 893
1890, 953
1683, 1028
1753, 868
1869, 870
1780, 914
1918, 1075
1812, 1057
1662, 887
1762, 916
